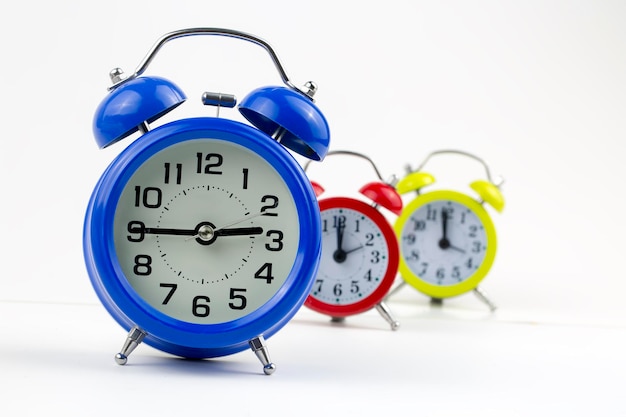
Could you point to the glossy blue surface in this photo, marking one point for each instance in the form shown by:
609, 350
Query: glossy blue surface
143, 99
305, 127
175, 336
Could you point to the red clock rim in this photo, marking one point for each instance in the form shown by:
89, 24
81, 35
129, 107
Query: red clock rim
387, 281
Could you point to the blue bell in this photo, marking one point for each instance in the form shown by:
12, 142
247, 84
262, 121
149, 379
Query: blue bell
289, 117
133, 104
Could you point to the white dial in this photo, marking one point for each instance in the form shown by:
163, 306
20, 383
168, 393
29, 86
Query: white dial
355, 257
206, 231
443, 242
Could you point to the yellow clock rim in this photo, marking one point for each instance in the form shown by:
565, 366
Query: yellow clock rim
445, 291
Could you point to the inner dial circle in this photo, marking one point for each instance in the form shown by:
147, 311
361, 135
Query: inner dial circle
206, 231
353, 272
187, 256
444, 258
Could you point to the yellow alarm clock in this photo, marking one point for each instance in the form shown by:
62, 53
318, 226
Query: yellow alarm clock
447, 238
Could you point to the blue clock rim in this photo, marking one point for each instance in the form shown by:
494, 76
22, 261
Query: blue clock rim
164, 332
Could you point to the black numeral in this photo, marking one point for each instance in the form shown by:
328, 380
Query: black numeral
368, 276
136, 228
150, 197
179, 173
413, 256
337, 290
277, 240
143, 265
339, 221
456, 272
200, 306
213, 161
272, 203
265, 272
418, 225
170, 293
241, 300
245, 178
431, 214
440, 274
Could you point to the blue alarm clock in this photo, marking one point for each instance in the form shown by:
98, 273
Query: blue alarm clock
202, 238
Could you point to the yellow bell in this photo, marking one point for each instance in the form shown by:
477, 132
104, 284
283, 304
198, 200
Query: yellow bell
414, 181
489, 193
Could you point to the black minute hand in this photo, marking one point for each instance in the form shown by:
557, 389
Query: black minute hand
340, 229
164, 231
444, 243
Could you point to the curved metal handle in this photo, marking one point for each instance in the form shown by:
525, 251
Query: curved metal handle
351, 153
115, 74
456, 152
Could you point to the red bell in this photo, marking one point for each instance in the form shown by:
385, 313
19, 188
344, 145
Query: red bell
384, 195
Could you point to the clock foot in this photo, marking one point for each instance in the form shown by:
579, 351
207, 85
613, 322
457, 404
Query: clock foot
337, 319
259, 347
483, 297
436, 302
134, 338
384, 311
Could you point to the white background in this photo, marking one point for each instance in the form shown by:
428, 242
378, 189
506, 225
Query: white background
535, 88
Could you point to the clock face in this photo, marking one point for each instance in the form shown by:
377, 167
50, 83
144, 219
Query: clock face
447, 243
359, 258
206, 231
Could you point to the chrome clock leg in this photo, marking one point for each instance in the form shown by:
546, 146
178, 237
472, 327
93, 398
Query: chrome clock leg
396, 289
259, 347
384, 311
134, 338
483, 297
